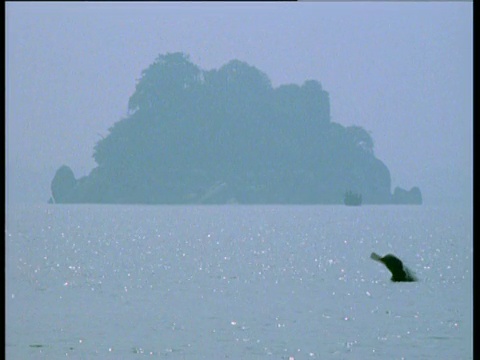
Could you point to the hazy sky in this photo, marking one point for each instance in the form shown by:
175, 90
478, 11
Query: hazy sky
401, 70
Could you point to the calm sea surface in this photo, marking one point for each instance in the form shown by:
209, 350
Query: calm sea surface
237, 282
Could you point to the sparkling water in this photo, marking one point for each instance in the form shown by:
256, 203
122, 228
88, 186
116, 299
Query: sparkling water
237, 282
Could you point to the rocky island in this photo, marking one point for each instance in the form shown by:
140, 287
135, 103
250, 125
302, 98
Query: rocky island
227, 136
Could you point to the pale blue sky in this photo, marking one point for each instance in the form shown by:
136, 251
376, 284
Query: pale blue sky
401, 70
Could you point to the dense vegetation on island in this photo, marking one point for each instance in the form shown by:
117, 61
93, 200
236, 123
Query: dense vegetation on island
228, 136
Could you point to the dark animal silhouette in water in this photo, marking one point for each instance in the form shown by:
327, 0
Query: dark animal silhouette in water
399, 271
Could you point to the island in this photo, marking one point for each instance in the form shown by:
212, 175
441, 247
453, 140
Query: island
224, 136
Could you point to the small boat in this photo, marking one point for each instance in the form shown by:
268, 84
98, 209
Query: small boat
352, 199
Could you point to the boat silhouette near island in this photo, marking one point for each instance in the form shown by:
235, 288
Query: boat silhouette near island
352, 199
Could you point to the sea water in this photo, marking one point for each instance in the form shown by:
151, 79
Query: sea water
237, 282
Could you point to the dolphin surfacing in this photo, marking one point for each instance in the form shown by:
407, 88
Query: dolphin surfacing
399, 271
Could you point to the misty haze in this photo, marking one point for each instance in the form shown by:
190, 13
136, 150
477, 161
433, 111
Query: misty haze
239, 180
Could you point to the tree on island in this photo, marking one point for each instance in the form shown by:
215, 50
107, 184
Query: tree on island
226, 135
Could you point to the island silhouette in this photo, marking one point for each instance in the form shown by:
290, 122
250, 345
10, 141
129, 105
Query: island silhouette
226, 135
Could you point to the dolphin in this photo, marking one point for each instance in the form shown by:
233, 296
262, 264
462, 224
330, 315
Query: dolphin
399, 271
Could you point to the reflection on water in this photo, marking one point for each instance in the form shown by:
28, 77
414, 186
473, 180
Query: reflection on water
236, 282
